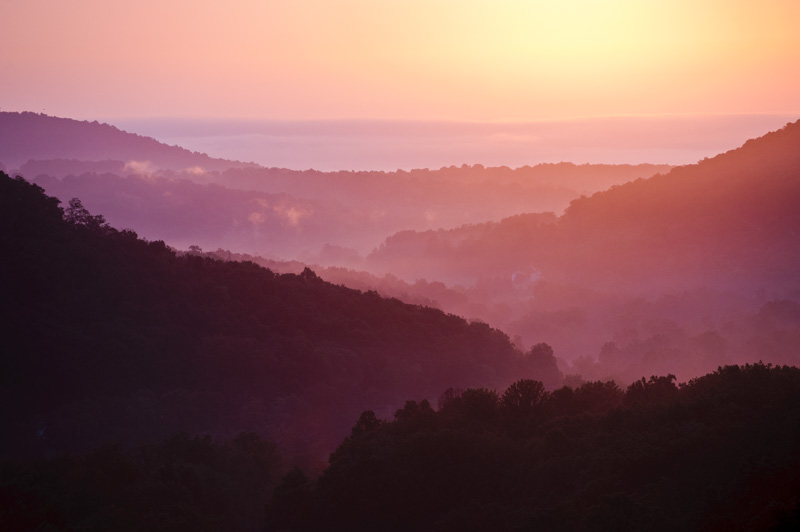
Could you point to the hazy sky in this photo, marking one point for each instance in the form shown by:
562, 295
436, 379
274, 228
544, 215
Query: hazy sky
498, 60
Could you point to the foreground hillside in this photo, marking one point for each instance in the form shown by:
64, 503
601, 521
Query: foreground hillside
719, 453
110, 337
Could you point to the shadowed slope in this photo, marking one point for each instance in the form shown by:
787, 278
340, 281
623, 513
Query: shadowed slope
111, 337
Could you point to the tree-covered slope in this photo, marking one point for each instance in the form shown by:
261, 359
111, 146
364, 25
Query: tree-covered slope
730, 222
719, 453
110, 337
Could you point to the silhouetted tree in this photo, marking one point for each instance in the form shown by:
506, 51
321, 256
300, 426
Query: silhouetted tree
523, 397
653, 391
542, 363
367, 422
77, 214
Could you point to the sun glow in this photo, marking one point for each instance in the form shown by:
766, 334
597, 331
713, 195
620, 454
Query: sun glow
434, 59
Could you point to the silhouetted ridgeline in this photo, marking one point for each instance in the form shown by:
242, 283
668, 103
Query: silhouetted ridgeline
109, 337
719, 453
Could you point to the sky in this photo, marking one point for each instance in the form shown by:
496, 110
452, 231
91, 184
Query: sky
498, 61
407, 144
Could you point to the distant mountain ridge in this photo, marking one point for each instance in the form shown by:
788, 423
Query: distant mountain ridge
670, 273
185, 198
732, 218
29, 136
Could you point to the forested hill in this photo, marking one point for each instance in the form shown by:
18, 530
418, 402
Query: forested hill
110, 337
730, 221
70, 143
718, 453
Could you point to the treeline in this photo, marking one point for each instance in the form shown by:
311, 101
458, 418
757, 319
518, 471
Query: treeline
598, 335
108, 337
718, 453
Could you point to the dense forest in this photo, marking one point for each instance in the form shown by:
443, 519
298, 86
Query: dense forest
594, 334
591, 370
717, 453
111, 337
680, 272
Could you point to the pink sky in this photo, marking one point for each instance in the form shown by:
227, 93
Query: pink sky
500, 61
504, 60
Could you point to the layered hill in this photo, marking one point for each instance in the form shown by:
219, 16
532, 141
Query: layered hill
730, 221
110, 337
188, 198
51, 144
184, 213
290, 214
668, 274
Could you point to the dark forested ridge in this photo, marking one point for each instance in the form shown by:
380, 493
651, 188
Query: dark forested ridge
194, 364
109, 337
719, 453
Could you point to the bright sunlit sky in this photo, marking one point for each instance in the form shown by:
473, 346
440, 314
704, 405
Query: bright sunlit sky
498, 60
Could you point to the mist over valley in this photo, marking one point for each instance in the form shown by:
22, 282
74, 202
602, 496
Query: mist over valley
249, 314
